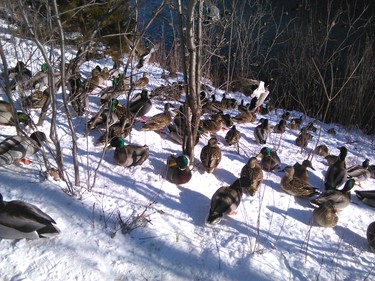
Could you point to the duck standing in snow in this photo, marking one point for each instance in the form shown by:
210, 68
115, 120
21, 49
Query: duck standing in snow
262, 131
19, 219
16, 149
253, 171
178, 171
321, 150
336, 173
211, 155
226, 200
233, 136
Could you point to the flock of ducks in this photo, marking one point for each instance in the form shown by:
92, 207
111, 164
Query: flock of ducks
117, 120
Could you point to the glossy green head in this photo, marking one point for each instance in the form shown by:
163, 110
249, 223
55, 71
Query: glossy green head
366, 163
43, 67
265, 151
144, 94
23, 118
182, 162
114, 104
118, 142
349, 184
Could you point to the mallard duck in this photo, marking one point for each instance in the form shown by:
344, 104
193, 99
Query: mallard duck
371, 168
6, 116
331, 131
339, 198
298, 121
212, 125
245, 117
140, 104
120, 129
227, 120
259, 96
141, 82
159, 121
19, 74
303, 139
36, 100
311, 127
97, 78
128, 155
331, 159
295, 186
242, 107
325, 215
254, 172
336, 173
321, 150
359, 172
293, 125
270, 160
229, 103
178, 171
16, 148
233, 136
370, 233
171, 92
226, 200
262, 131
300, 170
266, 108
109, 116
280, 127
176, 134
366, 196
211, 155
19, 220
285, 116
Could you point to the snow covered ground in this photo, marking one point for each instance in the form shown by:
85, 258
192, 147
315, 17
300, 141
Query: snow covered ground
272, 237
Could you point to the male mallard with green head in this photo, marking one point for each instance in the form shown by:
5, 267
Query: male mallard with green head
270, 160
140, 104
254, 172
178, 171
128, 155
336, 173
360, 172
211, 155
294, 186
19, 220
366, 196
226, 200
340, 198
16, 149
